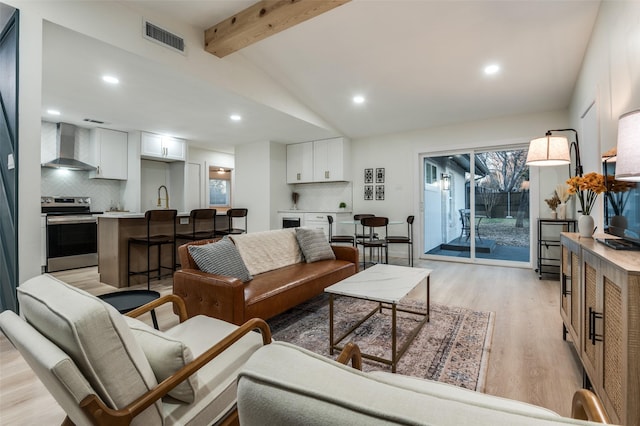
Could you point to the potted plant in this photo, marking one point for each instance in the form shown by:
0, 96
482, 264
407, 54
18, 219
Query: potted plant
553, 202
342, 205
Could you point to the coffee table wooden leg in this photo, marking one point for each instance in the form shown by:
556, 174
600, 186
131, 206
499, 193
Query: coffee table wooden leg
428, 297
331, 324
394, 353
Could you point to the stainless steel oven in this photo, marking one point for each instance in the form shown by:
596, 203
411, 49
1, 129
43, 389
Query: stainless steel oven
72, 233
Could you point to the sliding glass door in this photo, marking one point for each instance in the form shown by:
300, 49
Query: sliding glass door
476, 206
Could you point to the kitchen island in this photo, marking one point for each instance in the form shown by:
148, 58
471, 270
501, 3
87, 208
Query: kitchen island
114, 231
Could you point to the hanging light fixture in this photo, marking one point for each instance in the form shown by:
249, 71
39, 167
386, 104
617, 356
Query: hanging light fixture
628, 149
554, 151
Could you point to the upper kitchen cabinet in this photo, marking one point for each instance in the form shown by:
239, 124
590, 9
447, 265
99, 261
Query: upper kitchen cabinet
318, 161
108, 150
330, 157
300, 162
156, 147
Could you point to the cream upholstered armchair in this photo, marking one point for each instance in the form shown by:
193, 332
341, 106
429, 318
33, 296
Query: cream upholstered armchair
107, 369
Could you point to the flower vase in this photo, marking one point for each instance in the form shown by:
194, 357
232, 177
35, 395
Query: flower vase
585, 226
554, 214
562, 211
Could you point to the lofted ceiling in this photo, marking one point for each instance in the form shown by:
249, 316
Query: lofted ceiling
418, 63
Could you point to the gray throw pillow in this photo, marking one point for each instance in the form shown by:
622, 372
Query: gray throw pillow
221, 258
314, 245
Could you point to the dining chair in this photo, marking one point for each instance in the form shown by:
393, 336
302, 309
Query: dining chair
351, 239
402, 239
371, 240
357, 218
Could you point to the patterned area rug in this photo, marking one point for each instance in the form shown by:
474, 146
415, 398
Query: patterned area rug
453, 347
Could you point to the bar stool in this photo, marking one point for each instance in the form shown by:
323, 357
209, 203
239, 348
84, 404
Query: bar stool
157, 218
372, 241
401, 239
235, 213
351, 239
200, 218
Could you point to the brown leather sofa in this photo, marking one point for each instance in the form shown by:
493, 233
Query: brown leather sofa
266, 295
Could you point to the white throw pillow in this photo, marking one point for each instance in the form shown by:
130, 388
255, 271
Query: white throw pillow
166, 355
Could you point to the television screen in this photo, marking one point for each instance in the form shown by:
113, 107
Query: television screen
622, 206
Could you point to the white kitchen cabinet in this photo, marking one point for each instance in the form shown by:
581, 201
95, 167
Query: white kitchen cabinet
300, 162
330, 157
319, 161
318, 221
157, 147
109, 153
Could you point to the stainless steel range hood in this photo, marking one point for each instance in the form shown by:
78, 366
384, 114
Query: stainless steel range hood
66, 139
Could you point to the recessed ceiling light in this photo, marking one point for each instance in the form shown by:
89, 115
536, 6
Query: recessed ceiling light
491, 69
110, 79
358, 99
53, 112
235, 117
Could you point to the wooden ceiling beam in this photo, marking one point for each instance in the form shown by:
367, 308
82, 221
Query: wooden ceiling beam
260, 21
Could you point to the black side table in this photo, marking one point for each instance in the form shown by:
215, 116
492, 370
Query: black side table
128, 300
548, 263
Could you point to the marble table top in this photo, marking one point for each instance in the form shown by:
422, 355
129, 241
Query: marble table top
381, 283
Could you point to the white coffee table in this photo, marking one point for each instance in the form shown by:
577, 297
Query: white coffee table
385, 284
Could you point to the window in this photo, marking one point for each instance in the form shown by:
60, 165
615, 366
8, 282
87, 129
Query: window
219, 187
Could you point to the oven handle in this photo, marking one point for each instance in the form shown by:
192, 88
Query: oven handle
70, 221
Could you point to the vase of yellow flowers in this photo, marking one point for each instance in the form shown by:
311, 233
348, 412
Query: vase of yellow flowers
587, 188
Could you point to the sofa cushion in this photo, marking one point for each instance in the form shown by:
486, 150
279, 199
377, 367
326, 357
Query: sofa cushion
221, 258
314, 245
268, 250
96, 337
166, 355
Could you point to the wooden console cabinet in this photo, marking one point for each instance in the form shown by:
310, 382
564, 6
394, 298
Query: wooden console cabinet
600, 308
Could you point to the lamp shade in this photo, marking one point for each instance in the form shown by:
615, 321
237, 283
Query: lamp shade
628, 161
548, 151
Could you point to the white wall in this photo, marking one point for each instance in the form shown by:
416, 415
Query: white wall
30, 101
610, 76
279, 190
399, 155
252, 184
205, 158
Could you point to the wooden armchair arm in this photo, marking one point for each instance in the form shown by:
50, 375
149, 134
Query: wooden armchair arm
351, 352
178, 306
587, 406
105, 416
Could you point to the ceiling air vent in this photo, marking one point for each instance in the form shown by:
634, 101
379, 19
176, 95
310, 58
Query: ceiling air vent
155, 33
91, 120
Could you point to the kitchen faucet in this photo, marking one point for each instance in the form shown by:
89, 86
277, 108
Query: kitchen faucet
166, 200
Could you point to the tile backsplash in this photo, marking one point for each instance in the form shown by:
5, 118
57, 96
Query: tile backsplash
104, 193
324, 196
59, 182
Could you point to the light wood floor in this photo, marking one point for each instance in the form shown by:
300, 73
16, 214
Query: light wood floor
529, 361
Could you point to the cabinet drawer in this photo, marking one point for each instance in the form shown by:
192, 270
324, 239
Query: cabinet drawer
316, 218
